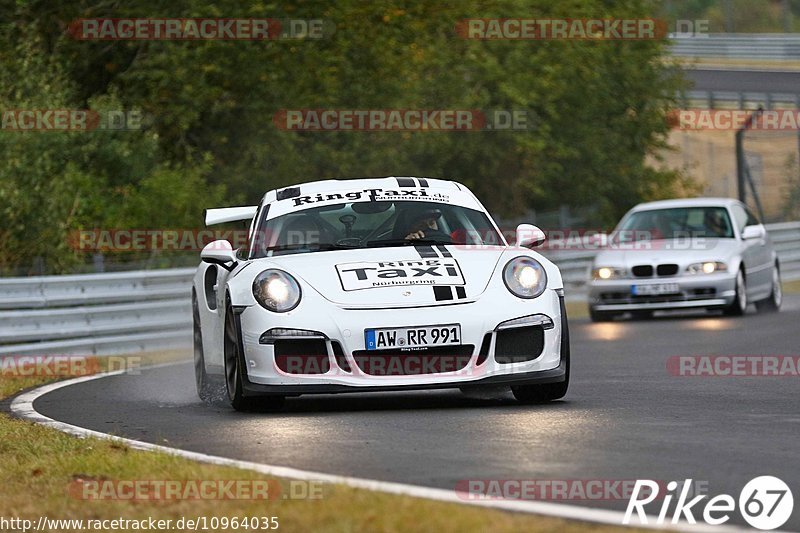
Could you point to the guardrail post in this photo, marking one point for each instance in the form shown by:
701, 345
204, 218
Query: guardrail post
98, 263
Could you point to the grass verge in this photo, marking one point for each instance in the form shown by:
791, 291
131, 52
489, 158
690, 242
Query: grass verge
791, 286
577, 309
44, 473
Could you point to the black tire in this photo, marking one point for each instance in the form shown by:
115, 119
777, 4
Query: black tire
234, 370
601, 316
773, 303
642, 315
532, 394
208, 388
739, 305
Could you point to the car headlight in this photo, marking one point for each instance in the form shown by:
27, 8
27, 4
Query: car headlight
608, 273
525, 277
276, 291
708, 267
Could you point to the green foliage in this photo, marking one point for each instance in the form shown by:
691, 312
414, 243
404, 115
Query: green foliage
209, 139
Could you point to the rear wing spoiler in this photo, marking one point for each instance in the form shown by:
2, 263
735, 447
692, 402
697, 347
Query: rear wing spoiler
229, 214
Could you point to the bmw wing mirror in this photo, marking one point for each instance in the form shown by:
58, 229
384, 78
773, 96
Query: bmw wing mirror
529, 236
219, 253
753, 232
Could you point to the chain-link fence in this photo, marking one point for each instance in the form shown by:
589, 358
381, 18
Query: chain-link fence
771, 157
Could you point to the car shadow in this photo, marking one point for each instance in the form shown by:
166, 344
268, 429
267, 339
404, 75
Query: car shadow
400, 401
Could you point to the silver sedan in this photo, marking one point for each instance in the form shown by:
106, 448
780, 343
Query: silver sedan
708, 253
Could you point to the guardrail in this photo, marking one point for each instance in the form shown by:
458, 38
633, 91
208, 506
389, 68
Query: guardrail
773, 46
121, 312
127, 312
740, 99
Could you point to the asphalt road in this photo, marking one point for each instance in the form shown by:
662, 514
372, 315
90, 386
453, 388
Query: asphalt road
625, 417
744, 80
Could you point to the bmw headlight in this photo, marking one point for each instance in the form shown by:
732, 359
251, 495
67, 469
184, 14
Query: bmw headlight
608, 273
276, 291
525, 277
709, 267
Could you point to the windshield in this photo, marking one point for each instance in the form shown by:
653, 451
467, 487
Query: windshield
676, 223
373, 225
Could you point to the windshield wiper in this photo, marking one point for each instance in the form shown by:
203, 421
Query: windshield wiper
404, 242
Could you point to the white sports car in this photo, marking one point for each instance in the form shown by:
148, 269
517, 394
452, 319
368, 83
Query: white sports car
373, 285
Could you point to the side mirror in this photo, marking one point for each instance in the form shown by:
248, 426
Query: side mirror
219, 253
753, 232
529, 236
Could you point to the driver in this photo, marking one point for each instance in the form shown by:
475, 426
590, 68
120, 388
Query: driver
715, 225
302, 231
662, 228
425, 225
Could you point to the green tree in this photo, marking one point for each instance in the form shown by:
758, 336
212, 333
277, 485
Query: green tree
597, 112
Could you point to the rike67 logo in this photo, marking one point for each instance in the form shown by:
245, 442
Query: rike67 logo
765, 503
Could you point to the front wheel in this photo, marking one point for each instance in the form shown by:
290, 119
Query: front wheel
234, 371
601, 316
739, 304
208, 389
549, 391
540, 393
773, 303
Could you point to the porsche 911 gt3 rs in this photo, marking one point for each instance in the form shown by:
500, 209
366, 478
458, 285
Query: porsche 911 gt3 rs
376, 284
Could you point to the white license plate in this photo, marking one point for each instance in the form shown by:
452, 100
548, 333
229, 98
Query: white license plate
657, 289
413, 337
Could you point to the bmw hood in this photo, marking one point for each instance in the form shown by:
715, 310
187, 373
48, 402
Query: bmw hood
658, 252
398, 277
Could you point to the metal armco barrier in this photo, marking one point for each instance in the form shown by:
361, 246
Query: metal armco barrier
771, 46
102, 314
741, 99
128, 312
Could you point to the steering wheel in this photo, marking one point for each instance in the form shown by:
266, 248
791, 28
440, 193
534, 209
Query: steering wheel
349, 241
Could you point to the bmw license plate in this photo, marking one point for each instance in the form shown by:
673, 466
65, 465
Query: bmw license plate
413, 337
657, 289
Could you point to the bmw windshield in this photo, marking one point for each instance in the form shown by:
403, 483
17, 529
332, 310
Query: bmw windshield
372, 224
675, 223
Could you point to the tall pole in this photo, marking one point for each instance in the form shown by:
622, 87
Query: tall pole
787, 16
728, 8
741, 162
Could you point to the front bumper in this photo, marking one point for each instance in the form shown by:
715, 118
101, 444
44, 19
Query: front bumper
345, 327
698, 291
